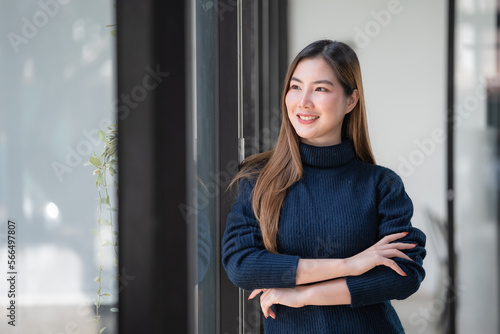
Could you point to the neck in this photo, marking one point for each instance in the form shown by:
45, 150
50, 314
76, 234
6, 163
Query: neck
326, 156
320, 142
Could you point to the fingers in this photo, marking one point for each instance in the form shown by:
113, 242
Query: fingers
265, 310
394, 250
391, 253
255, 293
264, 302
392, 237
394, 266
399, 245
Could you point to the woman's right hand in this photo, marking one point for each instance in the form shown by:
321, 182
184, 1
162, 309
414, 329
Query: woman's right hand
380, 254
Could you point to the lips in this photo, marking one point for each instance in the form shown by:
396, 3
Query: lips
306, 119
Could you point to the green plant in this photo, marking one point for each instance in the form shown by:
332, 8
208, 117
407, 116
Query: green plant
106, 168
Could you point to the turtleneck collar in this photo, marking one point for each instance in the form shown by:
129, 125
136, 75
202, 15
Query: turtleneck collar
326, 156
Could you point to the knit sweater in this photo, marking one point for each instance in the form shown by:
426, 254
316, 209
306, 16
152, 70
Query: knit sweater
340, 207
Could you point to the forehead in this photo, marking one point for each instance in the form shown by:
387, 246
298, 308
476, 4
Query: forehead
313, 69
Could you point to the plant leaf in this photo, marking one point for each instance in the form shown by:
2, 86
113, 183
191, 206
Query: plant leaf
95, 161
106, 243
100, 179
101, 135
111, 151
113, 309
115, 262
111, 143
105, 222
102, 330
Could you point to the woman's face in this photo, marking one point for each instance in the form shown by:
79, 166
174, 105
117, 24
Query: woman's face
316, 103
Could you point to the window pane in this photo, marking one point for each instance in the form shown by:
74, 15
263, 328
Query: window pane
476, 163
57, 84
205, 183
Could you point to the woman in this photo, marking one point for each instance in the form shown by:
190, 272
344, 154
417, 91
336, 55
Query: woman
319, 230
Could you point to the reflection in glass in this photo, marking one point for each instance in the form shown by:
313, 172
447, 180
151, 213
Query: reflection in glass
205, 185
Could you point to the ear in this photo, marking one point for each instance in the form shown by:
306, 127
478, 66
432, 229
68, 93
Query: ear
352, 101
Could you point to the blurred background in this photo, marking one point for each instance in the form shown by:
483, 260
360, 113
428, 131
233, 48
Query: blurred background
58, 86
61, 94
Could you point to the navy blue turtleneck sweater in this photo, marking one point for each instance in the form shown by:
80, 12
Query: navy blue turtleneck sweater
340, 207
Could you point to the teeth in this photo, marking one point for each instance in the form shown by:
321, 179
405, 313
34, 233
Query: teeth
308, 118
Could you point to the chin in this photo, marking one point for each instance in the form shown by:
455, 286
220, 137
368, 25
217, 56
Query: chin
304, 137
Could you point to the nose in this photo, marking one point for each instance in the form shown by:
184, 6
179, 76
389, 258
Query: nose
306, 100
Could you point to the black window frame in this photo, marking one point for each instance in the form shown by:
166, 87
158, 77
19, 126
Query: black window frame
154, 296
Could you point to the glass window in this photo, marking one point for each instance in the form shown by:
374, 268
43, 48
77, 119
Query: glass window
477, 165
204, 184
57, 82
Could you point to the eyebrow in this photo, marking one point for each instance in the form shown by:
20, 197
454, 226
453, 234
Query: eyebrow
328, 82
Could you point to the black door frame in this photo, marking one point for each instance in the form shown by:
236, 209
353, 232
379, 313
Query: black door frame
450, 167
151, 71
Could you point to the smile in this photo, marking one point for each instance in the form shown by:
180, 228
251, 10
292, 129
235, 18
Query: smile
308, 118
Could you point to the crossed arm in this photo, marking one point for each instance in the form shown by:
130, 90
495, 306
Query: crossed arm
328, 275
389, 269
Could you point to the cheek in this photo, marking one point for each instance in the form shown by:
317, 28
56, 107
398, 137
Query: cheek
288, 105
291, 99
333, 103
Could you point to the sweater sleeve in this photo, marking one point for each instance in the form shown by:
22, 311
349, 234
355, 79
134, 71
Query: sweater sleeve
248, 264
395, 210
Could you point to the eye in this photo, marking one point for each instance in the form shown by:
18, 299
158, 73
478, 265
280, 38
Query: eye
321, 89
294, 87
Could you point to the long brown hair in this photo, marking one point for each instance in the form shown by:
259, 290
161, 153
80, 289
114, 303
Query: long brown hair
277, 170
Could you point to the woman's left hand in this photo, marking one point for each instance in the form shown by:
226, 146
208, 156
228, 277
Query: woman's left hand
293, 297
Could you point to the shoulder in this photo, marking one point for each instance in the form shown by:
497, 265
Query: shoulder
251, 167
383, 177
254, 163
249, 171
